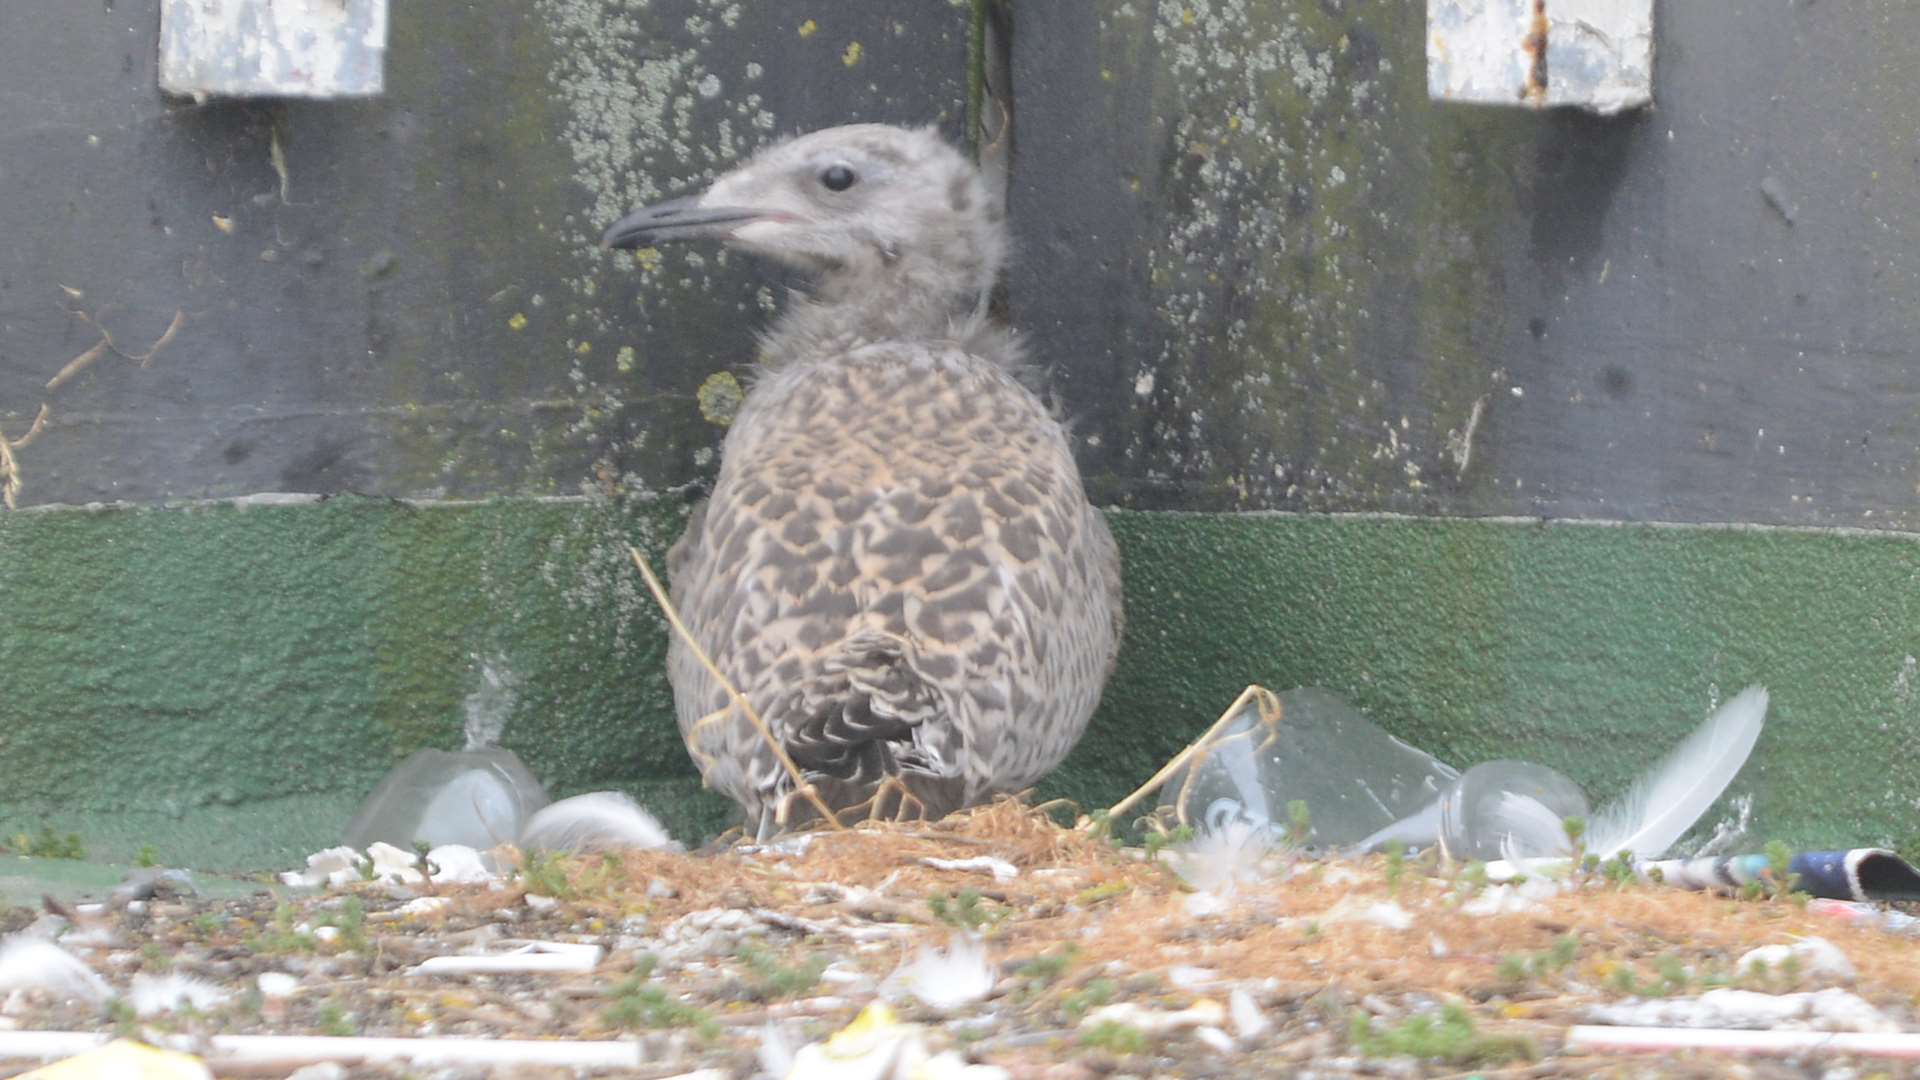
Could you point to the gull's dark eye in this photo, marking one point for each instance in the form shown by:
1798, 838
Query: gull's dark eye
837, 178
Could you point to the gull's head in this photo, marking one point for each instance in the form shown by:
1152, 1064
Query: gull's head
852, 205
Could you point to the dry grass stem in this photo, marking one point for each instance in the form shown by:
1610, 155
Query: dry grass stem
1269, 707
78, 364
801, 787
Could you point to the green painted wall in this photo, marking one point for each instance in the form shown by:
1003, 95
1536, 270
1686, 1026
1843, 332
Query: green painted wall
226, 681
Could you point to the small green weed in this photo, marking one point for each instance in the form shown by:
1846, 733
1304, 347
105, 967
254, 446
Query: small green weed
1299, 823
334, 1019
147, 857
1156, 842
1079, 1003
279, 937
772, 980
635, 1004
1115, 1038
351, 921
1449, 1037
1557, 957
968, 910
545, 873
1396, 870
1619, 870
1042, 971
48, 844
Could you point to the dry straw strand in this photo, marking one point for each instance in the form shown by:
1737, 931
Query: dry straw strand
740, 700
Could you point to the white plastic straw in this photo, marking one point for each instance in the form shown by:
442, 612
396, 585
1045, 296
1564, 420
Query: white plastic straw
546, 957
293, 1050
1595, 1037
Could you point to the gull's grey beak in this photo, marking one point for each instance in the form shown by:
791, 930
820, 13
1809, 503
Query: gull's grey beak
676, 219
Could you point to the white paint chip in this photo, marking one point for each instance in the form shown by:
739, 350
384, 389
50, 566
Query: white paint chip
1599, 53
273, 48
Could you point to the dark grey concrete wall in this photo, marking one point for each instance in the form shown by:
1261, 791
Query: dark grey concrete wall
403, 296
1263, 269
1274, 275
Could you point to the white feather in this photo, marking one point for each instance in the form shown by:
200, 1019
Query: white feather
775, 1051
601, 821
1659, 809
34, 963
152, 994
946, 979
1221, 859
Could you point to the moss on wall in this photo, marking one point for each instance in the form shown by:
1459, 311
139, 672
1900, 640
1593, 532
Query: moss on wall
226, 681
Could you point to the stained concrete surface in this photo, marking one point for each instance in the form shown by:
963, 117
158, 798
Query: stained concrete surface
1258, 267
1314, 289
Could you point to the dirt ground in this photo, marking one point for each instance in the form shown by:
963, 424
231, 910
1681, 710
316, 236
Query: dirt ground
1104, 960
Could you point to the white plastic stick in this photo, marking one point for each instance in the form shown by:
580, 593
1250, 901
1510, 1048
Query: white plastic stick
1595, 1037
236, 1050
540, 958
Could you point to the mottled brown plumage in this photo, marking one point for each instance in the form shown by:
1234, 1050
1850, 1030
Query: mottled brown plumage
897, 565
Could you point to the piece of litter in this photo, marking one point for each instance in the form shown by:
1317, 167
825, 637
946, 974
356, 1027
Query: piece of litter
33, 964
1001, 869
540, 958
425, 905
1249, 1022
1191, 978
1813, 956
540, 903
794, 845
1861, 914
392, 864
946, 979
1823, 1010
255, 1053
1202, 1013
775, 1052
1205, 905
1215, 1038
1586, 1039
277, 984
1503, 900
151, 995
875, 1046
320, 1070
458, 864
1385, 914
332, 866
124, 1059
947, 1065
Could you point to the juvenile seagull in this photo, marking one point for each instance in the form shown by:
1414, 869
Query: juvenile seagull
897, 566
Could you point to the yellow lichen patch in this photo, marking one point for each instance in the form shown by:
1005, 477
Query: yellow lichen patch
623, 360
517, 322
809, 28
720, 397
852, 55
647, 258
583, 349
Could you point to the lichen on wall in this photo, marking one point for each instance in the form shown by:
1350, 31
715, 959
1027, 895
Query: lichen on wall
1298, 197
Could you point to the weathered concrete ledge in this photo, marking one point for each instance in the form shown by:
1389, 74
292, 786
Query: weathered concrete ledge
225, 680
